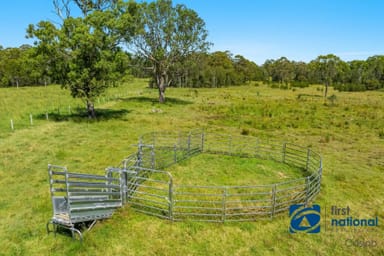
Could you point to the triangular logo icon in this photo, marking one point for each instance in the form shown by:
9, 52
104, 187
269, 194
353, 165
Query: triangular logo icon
305, 223
304, 219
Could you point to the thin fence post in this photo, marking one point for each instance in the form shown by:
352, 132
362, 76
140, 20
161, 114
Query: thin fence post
69, 110
189, 143
108, 181
67, 187
140, 153
179, 140
153, 139
230, 145
170, 199
175, 153
224, 204
307, 190
308, 158
123, 186
321, 166
31, 119
152, 157
46, 115
273, 201
318, 180
202, 141
257, 147
284, 151
179, 144
12, 126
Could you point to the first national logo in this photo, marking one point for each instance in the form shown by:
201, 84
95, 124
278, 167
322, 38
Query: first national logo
304, 219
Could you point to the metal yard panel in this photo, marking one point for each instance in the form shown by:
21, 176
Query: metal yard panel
141, 182
150, 191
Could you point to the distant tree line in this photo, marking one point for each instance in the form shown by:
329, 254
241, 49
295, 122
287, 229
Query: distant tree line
27, 66
113, 39
24, 66
330, 70
212, 70
21, 67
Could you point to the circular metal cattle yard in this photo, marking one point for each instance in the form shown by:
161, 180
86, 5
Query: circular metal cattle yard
149, 188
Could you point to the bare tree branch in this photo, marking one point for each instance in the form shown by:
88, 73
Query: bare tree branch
62, 8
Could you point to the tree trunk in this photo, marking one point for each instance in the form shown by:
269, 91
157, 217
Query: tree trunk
161, 84
91, 109
180, 84
162, 93
185, 79
326, 90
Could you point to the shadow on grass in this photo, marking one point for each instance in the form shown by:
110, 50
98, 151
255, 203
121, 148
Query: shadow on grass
80, 115
309, 96
168, 100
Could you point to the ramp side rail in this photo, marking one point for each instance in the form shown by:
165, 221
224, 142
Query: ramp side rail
79, 198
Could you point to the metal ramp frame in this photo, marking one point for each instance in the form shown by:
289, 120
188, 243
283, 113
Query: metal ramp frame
79, 198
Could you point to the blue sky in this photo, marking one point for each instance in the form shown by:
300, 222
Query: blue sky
259, 30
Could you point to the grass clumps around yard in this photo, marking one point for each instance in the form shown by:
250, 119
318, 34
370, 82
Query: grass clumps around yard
347, 132
223, 170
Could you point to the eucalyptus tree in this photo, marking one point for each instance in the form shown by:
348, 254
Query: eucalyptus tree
356, 72
373, 75
247, 69
63, 8
222, 69
13, 66
301, 72
164, 34
85, 52
281, 70
284, 70
17, 68
327, 70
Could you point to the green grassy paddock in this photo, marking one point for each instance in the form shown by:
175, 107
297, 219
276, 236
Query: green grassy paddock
223, 170
349, 134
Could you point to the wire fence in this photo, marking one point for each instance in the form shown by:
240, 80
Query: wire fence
10, 121
153, 191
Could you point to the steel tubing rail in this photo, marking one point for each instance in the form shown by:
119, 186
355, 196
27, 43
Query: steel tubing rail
179, 202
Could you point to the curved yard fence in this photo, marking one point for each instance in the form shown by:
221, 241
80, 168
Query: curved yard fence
148, 188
